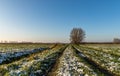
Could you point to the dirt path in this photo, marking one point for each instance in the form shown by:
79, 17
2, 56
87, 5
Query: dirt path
70, 64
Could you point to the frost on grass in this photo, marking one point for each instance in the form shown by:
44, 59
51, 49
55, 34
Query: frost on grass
8, 56
106, 59
36, 64
71, 65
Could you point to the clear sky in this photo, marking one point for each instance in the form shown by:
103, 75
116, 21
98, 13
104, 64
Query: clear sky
52, 20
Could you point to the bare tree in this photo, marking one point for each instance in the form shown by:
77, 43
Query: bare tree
116, 40
77, 35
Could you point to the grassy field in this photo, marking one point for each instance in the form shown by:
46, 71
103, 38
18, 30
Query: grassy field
10, 47
59, 60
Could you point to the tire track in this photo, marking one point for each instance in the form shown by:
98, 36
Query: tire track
93, 63
69, 64
51, 68
36, 65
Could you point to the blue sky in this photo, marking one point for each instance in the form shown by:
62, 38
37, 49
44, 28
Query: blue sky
52, 20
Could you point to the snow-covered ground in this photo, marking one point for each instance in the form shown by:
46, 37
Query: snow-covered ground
10, 55
107, 60
29, 66
71, 65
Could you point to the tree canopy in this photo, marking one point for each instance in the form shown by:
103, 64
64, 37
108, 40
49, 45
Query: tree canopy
77, 35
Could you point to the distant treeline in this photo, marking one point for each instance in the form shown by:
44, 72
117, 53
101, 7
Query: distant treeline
100, 42
116, 40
